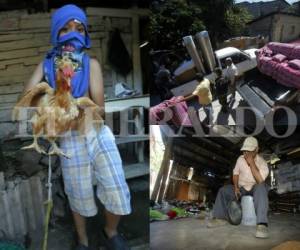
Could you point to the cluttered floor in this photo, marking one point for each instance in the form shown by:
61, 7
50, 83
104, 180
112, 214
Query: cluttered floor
192, 233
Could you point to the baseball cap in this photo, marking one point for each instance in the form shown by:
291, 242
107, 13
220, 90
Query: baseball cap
250, 144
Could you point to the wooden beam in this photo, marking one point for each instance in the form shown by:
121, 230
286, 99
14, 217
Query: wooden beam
136, 55
197, 149
114, 12
136, 170
163, 171
209, 144
201, 161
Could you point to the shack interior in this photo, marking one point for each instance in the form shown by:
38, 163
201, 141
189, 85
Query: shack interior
192, 171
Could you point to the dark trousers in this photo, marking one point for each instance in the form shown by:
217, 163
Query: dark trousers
223, 101
260, 197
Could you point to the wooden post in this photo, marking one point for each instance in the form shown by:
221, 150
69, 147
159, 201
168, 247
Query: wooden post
136, 54
164, 169
2, 161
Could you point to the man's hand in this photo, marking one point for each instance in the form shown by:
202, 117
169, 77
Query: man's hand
249, 157
237, 192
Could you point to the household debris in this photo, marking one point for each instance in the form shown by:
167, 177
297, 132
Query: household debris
175, 209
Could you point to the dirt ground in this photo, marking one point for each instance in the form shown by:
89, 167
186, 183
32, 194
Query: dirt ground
192, 233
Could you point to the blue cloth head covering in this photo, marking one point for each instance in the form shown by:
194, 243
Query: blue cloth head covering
80, 80
63, 15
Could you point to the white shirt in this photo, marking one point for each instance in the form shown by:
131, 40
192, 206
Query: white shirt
230, 73
246, 178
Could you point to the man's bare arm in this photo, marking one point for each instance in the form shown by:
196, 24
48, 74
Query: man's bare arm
237, 192
96, 84
189, 97
256, 174
235, 179
254, 169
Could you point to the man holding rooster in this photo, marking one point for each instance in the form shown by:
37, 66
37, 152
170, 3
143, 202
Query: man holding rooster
96, 154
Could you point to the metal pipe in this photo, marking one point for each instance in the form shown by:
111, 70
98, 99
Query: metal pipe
203, 41
188, 42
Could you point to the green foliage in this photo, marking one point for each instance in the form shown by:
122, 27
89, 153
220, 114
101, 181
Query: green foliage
172, 21
213, 15
236, 19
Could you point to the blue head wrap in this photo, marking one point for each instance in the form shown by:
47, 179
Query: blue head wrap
60, 18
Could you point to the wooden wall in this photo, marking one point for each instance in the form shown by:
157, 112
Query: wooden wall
25, 38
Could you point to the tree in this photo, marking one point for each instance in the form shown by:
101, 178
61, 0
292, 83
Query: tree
171, 21
236, 19
214, 17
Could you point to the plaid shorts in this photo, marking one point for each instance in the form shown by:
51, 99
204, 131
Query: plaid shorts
94, 156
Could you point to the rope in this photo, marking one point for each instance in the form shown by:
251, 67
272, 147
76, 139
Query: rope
49, 204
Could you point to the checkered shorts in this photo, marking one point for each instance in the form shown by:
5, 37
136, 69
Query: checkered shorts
94, 156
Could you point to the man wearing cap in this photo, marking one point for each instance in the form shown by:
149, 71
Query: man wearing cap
96, 154
249, 175
231, 73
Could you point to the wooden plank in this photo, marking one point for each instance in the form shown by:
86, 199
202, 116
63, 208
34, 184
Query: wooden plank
19, 218
5, 115
35, 16
24, 44
136, 56
44, 48
6, 209
96, 35
123, 24
95, 20
13, 13
93, 11
14, 37
2, 183
35, 31
97, 28
35, 22
11, 79
136, 170
17, 69
95, 43
38, 204
115, 105
28, 61
26, 196
129, 139
7, 105
7, 130
9, 98
11, 89
7, 23
5, 55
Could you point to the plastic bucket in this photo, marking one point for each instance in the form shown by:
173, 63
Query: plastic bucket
248, 211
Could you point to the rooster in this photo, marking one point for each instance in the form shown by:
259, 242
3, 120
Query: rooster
57, 111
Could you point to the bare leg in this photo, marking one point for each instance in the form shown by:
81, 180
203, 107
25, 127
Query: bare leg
112, 221
80, 225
